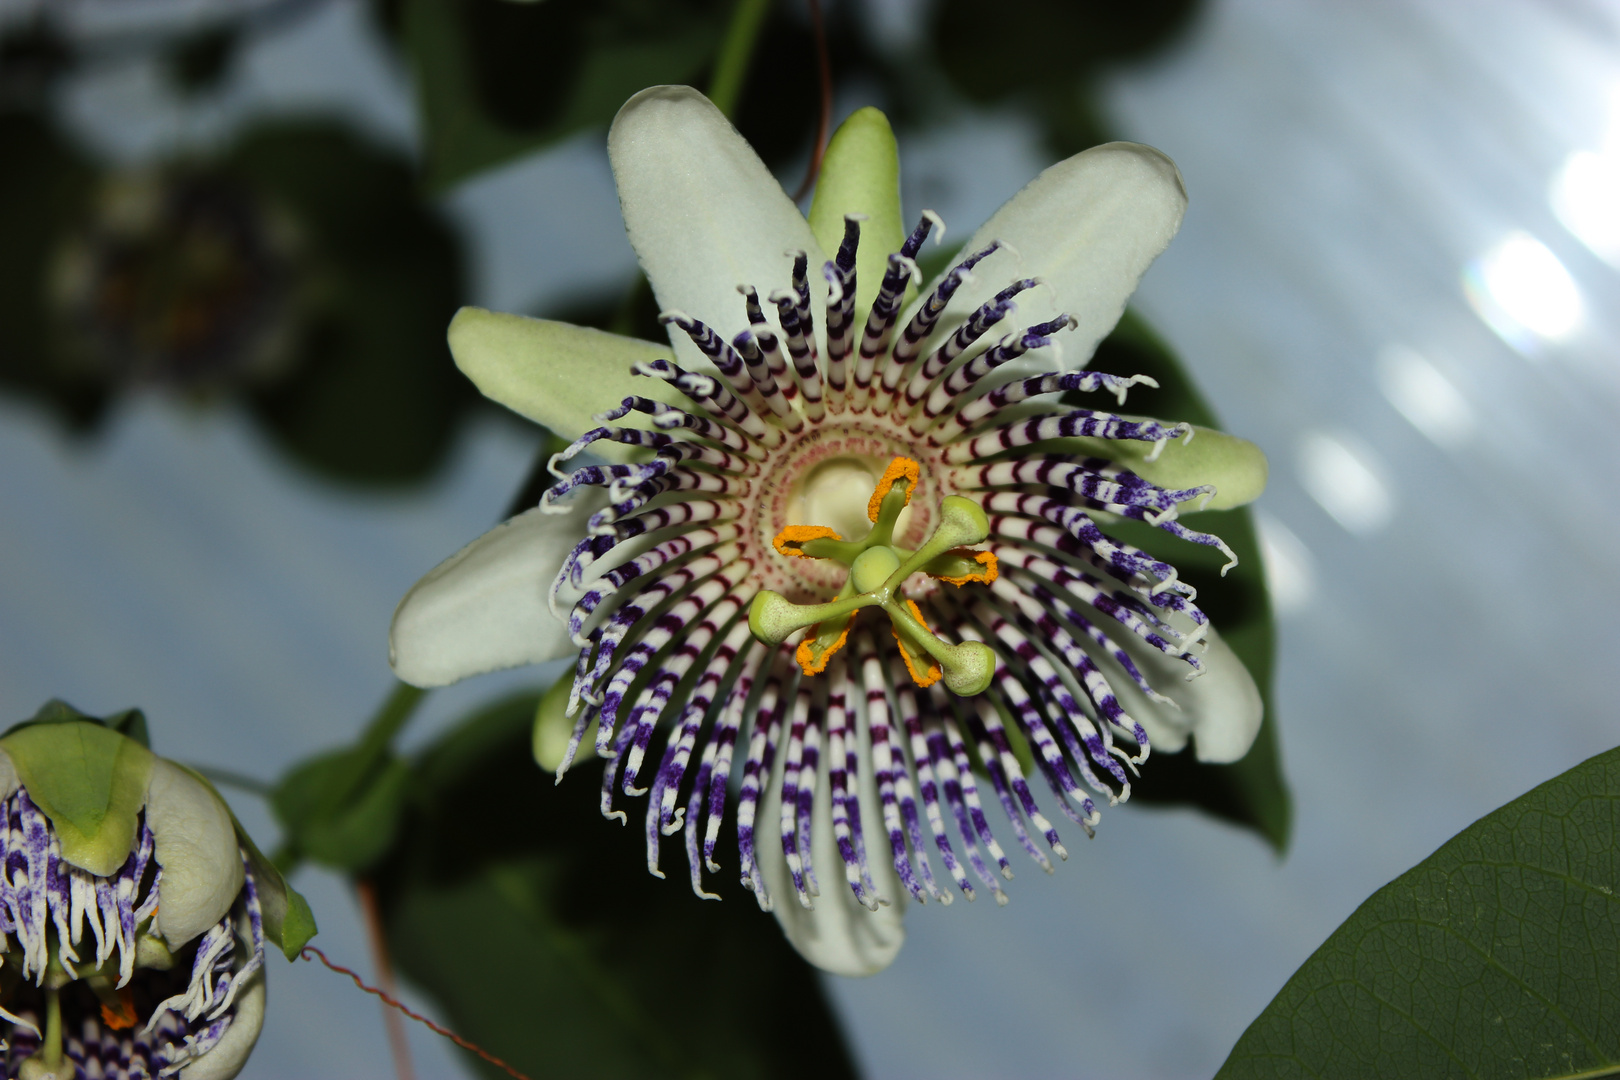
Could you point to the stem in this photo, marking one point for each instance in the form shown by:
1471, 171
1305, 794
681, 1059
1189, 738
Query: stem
391, 717
50, 1050
378, 735
731, 69
241, 781
824, 121
398, 1045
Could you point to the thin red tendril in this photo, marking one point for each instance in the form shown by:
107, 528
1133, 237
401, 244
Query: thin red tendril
824, 70
418, 1017
397, 1043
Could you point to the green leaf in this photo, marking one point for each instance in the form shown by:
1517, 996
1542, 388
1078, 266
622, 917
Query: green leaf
1494, 957
372, 396
288, 921
43, 193
1252, 791
342, 808
533, 923
90, 781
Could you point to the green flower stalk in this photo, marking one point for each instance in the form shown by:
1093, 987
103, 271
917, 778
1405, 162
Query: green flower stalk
133, 911
846, 536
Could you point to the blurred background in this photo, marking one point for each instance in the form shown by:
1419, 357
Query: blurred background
231, 436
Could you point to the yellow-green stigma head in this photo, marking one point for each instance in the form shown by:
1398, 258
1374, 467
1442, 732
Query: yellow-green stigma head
877, 570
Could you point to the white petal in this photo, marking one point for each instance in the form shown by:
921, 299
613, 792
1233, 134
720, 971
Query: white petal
554, 373
195, 843
1221, 709
703, 213
228, 1056
1089, 227
838, 935
485, 607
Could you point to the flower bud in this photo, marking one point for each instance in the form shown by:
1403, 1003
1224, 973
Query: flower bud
133, 911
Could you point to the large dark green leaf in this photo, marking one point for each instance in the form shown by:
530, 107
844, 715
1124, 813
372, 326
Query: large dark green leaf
534, 924
1252, 791
43, 188
496, 80
374, 396
1059, 69
1497, 956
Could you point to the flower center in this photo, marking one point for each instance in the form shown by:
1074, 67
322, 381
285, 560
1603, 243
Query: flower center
825, 477
835, 493
876, 571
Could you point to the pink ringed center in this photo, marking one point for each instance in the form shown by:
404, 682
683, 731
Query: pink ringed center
861, 442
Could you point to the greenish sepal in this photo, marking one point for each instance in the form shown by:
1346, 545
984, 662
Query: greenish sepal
860, 174
298, 926
553, 727
130, 722
1235, 466
89, 780
288, 921
555, 373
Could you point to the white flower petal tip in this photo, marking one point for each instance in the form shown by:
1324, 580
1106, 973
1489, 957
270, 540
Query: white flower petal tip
485, 608
1220, 709
1089, 226
702, 211
839, 935
227, 1057
556, 374
195, 844
1224, 706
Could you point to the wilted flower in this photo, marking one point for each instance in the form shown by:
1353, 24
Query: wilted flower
133, 915
859, 543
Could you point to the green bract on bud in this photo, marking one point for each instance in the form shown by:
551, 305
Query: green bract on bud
133, 909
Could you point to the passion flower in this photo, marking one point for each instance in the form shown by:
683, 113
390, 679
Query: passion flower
853, 537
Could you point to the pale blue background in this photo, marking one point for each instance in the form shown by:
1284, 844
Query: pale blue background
1345, 163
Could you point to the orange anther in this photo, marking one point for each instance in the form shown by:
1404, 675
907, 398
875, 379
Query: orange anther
899, 469
124, 1015
934, 672
812, 664
792, 539
985, 559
